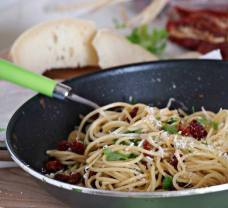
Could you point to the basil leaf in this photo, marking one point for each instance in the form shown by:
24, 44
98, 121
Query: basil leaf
167, 183
170, 128
115, 156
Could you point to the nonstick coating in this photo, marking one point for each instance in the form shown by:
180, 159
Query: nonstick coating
41, 122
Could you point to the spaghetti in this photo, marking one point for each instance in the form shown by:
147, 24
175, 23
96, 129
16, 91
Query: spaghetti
124, 147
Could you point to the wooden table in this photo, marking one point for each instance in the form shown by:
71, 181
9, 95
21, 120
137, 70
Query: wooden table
20, 190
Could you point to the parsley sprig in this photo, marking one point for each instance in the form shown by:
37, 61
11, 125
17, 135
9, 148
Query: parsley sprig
154, 41
170, 125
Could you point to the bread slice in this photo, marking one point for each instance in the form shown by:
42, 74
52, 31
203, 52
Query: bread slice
56, 44
189, 55
114, 50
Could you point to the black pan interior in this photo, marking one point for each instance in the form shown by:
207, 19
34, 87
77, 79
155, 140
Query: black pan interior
41, 122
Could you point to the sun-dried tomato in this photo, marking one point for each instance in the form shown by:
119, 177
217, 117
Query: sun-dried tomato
147, 145
95, 116
194, 129
183, 12
173, 161
77, 147
144, 163
53, 166
200, 30
197, 130
72, 178
134, 112
63, 145
185, 131
62, 177
92, 173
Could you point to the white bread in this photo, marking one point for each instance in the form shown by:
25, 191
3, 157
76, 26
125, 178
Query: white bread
189, 55
114, 50
56, 44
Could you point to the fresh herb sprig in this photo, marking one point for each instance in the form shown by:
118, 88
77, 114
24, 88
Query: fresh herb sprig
154, 41
171, 129
170, 125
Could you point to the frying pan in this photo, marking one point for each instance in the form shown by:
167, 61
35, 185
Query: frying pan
41, 122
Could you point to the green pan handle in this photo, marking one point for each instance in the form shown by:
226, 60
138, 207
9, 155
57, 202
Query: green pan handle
27, 79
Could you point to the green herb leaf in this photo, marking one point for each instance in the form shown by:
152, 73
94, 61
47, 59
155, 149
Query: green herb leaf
154, 41
167, 183
2, 129
114, 141
170, 128
202, 121
214, 125
171, 120
205, 122
132, 156
115, 156
77, 190
170, 125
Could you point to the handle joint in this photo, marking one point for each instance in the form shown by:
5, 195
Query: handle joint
61, 91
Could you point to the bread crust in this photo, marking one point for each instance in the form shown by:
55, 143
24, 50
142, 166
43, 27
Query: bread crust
114, 50
56, 44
